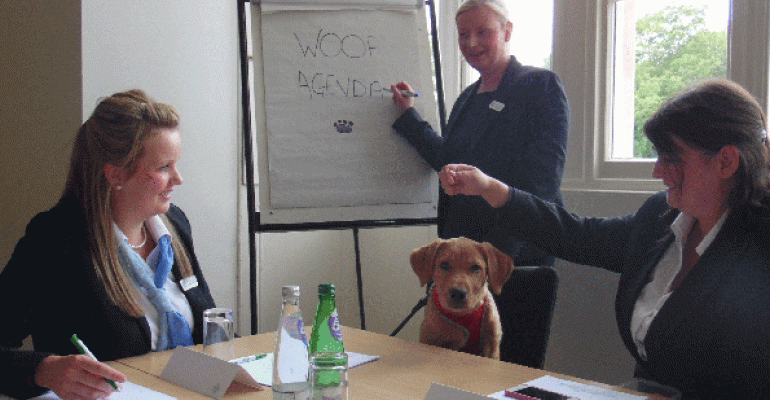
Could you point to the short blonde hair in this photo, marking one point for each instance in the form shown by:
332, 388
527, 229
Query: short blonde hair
498, 6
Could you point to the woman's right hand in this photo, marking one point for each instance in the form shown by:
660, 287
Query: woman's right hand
403, 102
76, 377
471, 181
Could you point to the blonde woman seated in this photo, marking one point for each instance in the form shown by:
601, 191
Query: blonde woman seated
112, 261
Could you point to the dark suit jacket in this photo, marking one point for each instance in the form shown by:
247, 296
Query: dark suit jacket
711, 339
523, 145
50, 290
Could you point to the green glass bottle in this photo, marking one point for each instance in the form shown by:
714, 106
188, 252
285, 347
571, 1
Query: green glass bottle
326, 335
326, 348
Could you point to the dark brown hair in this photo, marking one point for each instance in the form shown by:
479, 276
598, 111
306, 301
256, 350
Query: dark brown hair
709, 116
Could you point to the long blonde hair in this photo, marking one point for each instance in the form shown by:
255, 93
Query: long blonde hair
115, 134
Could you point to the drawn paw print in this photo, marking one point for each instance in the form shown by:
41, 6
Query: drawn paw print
344, 126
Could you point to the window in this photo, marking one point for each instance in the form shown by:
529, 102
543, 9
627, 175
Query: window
676, 43
659, 48
593, 56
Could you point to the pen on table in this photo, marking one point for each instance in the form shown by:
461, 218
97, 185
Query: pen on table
246, 359
405, 93
519, 396
84, 350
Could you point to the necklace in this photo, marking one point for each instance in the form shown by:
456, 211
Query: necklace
144, 233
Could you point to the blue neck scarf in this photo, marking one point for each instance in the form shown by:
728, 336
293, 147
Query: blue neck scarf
173, 328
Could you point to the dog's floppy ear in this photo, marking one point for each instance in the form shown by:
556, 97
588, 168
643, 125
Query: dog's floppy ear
423, 259
499, 267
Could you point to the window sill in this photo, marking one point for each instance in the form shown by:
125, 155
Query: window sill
606, 185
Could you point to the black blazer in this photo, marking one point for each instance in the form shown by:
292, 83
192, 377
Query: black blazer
50, 290
711, 339
523, 143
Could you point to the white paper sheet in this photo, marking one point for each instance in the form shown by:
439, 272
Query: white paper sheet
328, 114
441, 392
262, 369
571, 388
271, 6
129, 391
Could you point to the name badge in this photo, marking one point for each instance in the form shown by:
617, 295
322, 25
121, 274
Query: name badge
496, 105
189, 283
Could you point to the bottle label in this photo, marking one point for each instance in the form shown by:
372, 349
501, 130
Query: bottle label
290, 362
295, 328
334, 325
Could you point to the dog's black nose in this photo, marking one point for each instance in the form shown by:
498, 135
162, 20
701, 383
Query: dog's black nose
458, 294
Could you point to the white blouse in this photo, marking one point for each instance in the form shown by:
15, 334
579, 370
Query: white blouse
657, 291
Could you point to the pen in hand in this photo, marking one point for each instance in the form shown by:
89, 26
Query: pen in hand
84, 350
405, 93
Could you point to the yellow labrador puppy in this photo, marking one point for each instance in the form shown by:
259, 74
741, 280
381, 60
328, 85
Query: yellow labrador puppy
461, 313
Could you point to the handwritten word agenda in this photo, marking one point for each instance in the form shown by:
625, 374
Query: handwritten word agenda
330, 84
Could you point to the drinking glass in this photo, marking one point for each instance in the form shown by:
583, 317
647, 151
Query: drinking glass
329, 376
218, 332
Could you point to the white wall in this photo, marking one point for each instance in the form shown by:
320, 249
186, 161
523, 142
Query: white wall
185, 54
307, 259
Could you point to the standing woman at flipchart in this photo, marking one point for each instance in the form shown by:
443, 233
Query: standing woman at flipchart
513, 121
112, 261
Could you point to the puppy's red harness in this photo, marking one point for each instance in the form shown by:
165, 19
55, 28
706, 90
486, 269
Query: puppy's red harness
471, 322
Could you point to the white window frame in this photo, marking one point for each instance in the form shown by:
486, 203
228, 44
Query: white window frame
587, 166
581, 57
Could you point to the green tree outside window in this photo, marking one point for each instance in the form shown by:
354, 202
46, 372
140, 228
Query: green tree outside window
674, 49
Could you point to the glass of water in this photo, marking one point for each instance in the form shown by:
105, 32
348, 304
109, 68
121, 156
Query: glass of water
218, 332
329, 376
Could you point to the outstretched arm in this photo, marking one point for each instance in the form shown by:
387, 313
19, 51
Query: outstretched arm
471, 181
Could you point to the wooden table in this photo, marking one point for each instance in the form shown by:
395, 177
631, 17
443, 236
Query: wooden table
404, 371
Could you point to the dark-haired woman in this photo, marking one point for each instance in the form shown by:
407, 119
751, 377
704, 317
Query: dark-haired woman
693, 302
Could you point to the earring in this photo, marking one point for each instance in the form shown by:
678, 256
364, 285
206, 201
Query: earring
118, 187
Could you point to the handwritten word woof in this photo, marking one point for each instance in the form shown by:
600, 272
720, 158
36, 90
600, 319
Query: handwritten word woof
346, 48
330, 44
